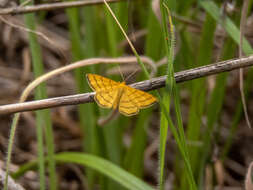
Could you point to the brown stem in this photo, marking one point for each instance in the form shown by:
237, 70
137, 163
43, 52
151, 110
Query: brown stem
146, 85
50, 6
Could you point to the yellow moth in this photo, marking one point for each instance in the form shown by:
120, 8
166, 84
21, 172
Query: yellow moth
117, 95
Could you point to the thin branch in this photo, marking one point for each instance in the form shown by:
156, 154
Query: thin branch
3, 19
50, 6
146, 85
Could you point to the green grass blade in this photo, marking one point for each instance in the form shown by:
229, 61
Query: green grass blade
163, 139
43, 119
153, 48
39, 132
163, 107
99, 164
166, 94
171, 88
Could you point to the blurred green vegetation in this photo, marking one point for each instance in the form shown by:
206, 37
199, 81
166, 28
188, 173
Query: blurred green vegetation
101, 37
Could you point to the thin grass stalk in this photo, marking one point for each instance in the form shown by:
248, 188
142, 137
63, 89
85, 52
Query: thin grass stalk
172, 89
41, 115
40, 153
39, 134
10, 146
92, 136
166, 96
139, 61
163, 107
44, 118
134, 164
129, 42
45, 114
40, 93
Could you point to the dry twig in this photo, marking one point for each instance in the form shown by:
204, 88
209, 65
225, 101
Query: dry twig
146, 85
50, 6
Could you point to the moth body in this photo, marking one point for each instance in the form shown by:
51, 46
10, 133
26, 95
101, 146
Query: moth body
119, 95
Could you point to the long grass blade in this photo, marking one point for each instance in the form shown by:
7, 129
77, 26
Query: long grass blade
99, 164
171, 88
43, 119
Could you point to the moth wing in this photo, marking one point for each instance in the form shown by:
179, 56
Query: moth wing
140, 98
99, 83
127, 107
106, 98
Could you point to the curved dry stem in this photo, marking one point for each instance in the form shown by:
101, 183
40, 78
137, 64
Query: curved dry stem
75, 65
242, 27
132, 68
50, 6
49, 75
162, 61
40, 34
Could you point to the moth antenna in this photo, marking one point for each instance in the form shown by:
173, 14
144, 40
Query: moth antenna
122, 76
131, 74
